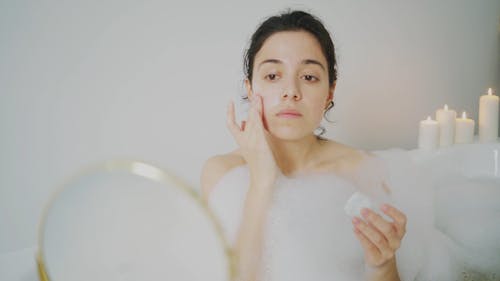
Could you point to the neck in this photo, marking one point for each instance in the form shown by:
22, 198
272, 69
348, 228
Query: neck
293, 156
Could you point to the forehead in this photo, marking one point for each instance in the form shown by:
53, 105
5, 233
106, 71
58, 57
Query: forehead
291, 47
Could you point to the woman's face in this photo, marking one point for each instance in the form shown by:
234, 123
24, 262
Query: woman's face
290, 72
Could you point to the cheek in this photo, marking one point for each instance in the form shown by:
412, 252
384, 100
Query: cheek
267, 89
320, 108
268, 102
317, 110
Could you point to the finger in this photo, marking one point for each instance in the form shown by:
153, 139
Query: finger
373, 235
398, 217
258, 105
255, 116
252, 114
386, 228
369, 248
230, 120
260, 110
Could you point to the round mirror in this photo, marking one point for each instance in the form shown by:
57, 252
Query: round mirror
126, 220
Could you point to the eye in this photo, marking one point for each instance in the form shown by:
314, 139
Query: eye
310, 78
271, 76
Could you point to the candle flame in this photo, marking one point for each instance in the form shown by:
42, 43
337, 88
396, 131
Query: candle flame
464, 116
445, 107
490, 92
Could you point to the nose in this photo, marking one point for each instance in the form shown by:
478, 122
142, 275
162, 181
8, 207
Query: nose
291, 93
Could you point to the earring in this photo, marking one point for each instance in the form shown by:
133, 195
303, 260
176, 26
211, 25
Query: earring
330, 105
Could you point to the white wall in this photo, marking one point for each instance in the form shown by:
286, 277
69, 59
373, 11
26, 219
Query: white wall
90, 80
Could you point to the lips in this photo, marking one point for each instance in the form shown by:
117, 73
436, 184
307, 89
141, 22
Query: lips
289, 113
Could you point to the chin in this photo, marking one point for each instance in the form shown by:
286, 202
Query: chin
289, 133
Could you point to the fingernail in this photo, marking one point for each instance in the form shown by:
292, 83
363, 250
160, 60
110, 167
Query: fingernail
384, 207
365, 212
356, 220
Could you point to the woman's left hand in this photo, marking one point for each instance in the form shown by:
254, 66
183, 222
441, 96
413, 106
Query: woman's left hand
380, 238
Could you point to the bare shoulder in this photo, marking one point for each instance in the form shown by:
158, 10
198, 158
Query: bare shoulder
215, 167
349, 162
342, 158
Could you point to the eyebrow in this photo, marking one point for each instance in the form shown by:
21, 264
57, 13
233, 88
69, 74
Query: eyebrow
306, 61
309, 61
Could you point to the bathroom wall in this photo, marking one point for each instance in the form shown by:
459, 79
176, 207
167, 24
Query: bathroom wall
85, 81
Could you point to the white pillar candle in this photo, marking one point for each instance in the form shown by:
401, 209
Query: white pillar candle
428, 134
446, 119
464, 129
488, 117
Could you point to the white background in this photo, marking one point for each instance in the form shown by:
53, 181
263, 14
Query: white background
86, 81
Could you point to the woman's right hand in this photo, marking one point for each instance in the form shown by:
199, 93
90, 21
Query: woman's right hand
252, 139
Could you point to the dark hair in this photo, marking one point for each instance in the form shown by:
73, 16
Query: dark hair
293, 21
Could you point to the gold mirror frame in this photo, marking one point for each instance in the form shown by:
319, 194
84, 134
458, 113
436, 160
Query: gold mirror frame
147, 171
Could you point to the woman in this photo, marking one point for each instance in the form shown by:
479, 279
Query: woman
290, 81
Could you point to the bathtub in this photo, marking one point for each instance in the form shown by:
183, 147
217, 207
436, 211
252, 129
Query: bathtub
465, 183
465, 180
